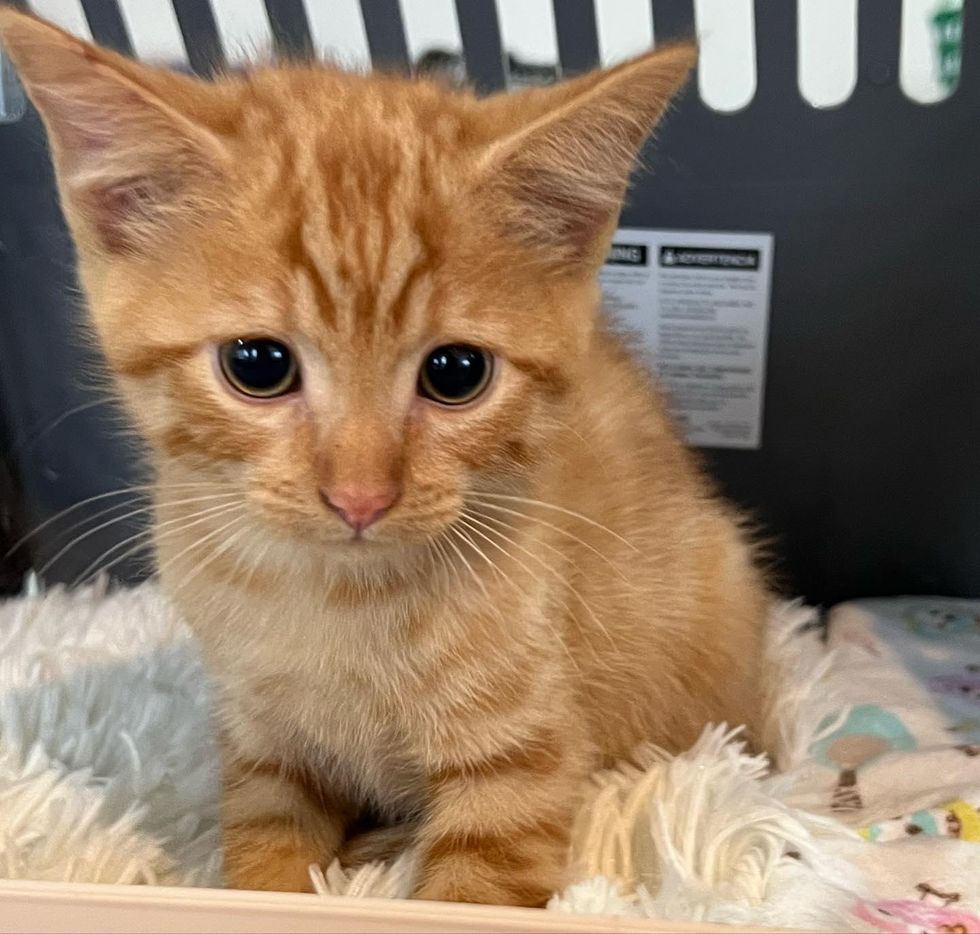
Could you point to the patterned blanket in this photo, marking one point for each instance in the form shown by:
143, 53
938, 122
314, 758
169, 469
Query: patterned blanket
899, 757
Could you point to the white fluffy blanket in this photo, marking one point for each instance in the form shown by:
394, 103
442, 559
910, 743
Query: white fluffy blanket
107, 774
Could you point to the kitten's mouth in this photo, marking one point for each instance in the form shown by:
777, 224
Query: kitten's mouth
358, 539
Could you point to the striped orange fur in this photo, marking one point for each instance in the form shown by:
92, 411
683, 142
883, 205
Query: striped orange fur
555, 581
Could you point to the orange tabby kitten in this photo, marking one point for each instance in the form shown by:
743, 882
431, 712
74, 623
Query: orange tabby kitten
442, 547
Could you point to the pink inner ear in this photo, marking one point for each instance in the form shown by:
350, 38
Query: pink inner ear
559, 211
566, 219
123, 162
119, 210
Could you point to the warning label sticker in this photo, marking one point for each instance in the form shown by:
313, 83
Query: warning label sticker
700, 300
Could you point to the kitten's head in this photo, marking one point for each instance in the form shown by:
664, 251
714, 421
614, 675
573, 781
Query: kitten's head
355, 300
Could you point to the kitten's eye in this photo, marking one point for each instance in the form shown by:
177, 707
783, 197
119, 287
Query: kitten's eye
259, 367
455, 373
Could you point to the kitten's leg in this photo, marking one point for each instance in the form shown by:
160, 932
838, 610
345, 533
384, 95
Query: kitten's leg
274, 825
497, 831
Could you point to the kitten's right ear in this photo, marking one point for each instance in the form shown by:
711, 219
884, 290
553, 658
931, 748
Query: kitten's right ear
554, 177
127, 162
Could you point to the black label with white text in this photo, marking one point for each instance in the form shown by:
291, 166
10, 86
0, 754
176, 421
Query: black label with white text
628, 254
686, 257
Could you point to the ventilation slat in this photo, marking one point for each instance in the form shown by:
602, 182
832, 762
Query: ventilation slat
527, 30
290, 28
479, 29
243, 29
338, 32
106, 25
153, 29
430, 26
929, 29
200, 31
67, 14
385, 34
727, 63
827, 70
577, 34
624, 28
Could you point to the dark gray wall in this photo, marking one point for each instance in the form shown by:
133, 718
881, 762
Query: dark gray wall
868, 473
867, 480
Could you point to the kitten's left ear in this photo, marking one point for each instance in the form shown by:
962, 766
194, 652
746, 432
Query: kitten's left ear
556, 184
127, 161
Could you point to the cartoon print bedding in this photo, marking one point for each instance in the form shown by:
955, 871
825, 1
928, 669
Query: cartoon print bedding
899, 758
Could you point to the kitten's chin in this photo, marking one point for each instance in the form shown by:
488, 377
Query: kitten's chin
369, 547
359, 544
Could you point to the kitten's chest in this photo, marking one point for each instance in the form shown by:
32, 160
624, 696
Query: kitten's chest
378, 695
360, 708
346, 732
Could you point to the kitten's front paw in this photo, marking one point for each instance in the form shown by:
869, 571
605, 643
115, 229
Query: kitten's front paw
268, 860
485, 892
466, 877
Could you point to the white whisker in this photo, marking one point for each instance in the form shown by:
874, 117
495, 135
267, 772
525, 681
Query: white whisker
146, 488
559, 636
220, 550
445, 565
469, 567
90, 532
562, 509
135, 512
152, 533
469, 518
554, 528
198, 542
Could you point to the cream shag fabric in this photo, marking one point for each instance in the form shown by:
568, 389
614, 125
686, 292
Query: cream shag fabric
108, 774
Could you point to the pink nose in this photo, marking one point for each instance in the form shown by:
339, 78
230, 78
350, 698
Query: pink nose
360, 507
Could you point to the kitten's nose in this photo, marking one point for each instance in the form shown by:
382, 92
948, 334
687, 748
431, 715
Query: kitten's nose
360, 507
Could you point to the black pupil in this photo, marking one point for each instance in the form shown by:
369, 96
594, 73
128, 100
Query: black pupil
262, 365
455, 371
